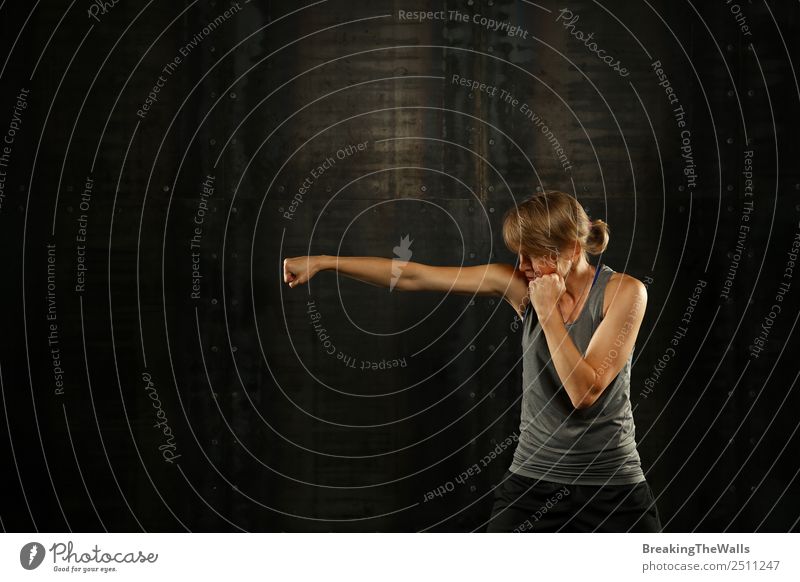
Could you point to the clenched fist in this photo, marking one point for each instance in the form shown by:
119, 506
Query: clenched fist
545, 293
299, 270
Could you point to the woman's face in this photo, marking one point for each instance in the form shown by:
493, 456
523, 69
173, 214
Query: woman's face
537, 266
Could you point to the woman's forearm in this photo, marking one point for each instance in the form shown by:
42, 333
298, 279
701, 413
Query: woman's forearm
576, 374
374, 270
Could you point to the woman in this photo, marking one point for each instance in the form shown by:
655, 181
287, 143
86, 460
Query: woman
575, 467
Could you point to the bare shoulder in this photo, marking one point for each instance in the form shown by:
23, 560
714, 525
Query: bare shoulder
623, 287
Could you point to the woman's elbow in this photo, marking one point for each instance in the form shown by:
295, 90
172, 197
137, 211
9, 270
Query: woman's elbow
405, 277
589, 396
584, 403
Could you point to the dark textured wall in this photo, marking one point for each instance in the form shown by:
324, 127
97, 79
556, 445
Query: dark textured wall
225, 410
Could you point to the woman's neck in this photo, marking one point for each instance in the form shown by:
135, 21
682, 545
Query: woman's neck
579, 280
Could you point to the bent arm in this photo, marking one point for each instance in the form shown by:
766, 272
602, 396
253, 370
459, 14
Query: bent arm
586, 377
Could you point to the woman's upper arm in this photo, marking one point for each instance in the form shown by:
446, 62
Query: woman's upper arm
497, 279
613, 341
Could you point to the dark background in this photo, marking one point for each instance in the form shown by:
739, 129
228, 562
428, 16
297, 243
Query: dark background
275, 434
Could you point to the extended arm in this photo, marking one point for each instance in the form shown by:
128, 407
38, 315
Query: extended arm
585, 377
492, 279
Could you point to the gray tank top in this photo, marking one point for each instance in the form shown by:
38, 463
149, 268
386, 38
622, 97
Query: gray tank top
594, 446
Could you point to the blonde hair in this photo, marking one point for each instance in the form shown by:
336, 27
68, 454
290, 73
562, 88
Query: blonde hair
552, 221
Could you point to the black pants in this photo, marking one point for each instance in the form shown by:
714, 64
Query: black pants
523, 505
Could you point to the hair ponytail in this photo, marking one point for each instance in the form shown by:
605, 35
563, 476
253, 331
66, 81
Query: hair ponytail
597, 241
